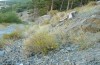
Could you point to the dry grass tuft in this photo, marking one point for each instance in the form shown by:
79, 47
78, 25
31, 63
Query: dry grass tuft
46, 22
94, 20
55, 20
80, 39
53, 12
91, 29
31, 30
41, 42
14, 35
92, 25
92, 3
85, 8
83, 39
2, 43
61, 36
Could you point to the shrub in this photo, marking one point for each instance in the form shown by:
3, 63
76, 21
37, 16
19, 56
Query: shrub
9, 17
4, 10
82, 39
40, 43
14, 35
19, 10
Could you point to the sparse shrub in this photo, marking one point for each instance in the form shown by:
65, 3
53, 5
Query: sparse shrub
5, 42
30, 30
61, 36
19, 10
55, 20
84, 40
92, 25
53, 12
85, 8
21, 7
41, 42
2, 43
45, 22
14, 35
83, 45
31, 11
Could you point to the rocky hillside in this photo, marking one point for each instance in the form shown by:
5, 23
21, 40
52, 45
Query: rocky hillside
58, 38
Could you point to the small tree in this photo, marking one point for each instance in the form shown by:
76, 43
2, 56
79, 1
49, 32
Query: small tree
52, 5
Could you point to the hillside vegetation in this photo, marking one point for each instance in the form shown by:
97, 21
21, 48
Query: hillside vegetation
69, 36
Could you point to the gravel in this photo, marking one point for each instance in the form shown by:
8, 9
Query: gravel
66, 55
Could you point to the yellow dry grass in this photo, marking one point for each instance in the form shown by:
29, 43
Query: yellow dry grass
41, 42
14, 35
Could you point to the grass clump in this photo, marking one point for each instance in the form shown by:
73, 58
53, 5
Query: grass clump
14, 35
41, 42
2, 43
92, 25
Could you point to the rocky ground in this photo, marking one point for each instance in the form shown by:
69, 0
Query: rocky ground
67, 54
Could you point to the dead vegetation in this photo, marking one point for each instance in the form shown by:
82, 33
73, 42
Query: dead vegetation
91, 25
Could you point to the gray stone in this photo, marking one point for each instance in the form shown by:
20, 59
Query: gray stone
2, 53
21, 64
71, 15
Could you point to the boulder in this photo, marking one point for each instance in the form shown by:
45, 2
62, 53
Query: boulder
71, 15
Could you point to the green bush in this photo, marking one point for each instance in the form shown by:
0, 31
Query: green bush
9, 17
19, 10
4, 10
